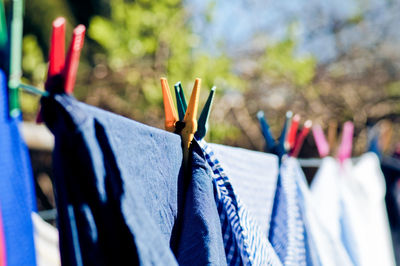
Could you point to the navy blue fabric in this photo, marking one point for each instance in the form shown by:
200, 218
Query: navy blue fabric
121, 195
201, 237
17, 195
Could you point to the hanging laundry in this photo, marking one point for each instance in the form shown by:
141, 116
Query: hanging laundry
17, 194
46, 242
200, 240
245, 243
324, 249
325, 190
391, 169
253, 175
363, 192
287, 233
113, 208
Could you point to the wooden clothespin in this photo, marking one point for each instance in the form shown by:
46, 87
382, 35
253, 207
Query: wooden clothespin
189, 120
62, 71
346, 145
320, 141
300, 139
332, 135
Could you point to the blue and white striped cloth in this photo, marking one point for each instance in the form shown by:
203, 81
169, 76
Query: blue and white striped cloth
287, 229
254, 176
243, 239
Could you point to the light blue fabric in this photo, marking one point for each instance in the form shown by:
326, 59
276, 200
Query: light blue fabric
253, 175
324, 248
17, 195
241, 233
287, 232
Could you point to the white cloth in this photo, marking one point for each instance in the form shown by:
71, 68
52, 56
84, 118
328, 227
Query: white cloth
46, 242
253, 176
325, 249
363, 194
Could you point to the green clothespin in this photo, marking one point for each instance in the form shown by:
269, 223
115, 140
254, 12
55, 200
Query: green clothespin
3, 30
202, 125
15, 71
180, 100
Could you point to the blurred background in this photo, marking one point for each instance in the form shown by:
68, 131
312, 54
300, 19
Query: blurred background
326, 60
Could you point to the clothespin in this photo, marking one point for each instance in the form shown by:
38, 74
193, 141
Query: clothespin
169, 109
180, 100
386, 129
265, 129
320, 141
346, 145
15, 69
332, 135
189, 120
202, 125
284, 134
300, 139
3, 36
205, 114
291, 136
64, 69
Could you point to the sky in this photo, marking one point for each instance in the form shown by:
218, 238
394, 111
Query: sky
235, 22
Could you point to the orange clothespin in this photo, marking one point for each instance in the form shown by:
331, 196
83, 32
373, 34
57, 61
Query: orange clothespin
171, 117
189, 120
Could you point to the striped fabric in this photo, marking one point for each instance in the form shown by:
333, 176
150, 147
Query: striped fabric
254, 176
243, 239
287, 229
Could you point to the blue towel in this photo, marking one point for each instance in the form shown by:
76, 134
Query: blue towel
17, 194
121, 193
244, 241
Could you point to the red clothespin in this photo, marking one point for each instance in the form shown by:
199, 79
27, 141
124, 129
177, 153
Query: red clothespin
291, 138
300, 139
67, 68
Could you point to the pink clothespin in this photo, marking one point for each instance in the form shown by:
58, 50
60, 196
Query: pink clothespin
320, 141
346, 145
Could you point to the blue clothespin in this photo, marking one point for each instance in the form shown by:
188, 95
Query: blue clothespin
180, 100
265, 129
202, 125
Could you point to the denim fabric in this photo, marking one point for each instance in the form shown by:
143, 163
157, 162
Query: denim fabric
114, 208
244, 241
253, 176
17, 195
121, 193
201, 237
